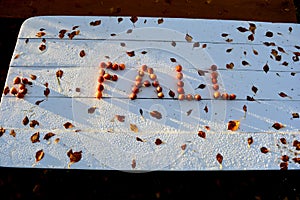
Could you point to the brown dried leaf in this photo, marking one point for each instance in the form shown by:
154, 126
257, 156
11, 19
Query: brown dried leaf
230, 66
252, 27
245, 63
59, 73
295, 115
188, 38
48, 136
278, 126
133, 163
120, 118
160, 21
245, 109
264, 150
134, 128
229, 40
283, 95
39, 155
269, 44
140, 139
46, 92
2, 131
39, 101
91, 110
229, 50
255, 52
189, 112
74, 156
95, 23
283, 165
12, 133
6, 90
40, 34
183, 147
201, 86
219, 158
156, 114
35, 137
250, 141
254, 89
42, 47
158, 141
204, 46
129, 31
224, 34
202, 72
120, 19
251, 37
196, 44
133, 19
283, 141
173, 59
25, 121
269, 34
206, 109
173, 43
242, 29
202, 134
233, 125
33, 123
266, 68
82, 53
68, 125
130, 53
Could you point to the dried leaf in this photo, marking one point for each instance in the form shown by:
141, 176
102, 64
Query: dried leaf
196, 44
219, 158
173, 43
295, 115
242, 29
59, 73
290, 29
133, 19
278, 126
25, 121
68, 125
134, 128
12, 133
285, 63
35, 137
283, 95
233, 125
39, 155
183, 147
204, 46
297, 47
39, 101
245, 63
266, 68
269, 44
224, 34
122, 44
281, 49
171, 94
245, 109
229, 40
201, 86
133, 163
160, 21
230, 66
139, 139
129, 31
283, 141
158, 141
206, 109
48, 136
285, 158
74, 156
130, 53
120, 118
42, 47
283, 166
188, 38
2, 131
254, 89
46, 92
252, 27
274, 52
40, 34
251, 37
250, 98
296, 53
202, 134
95, 23
141, 112
202, 72
269, 34
173, 59
82, 53
189, 112
229, 50
143, 52
255, 52
250, 141
33, 123
91, 110
156, 114
264, 150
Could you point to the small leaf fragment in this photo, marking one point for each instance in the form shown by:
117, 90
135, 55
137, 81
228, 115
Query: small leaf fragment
74, 157
250, 141
251, 37
252, 27
2, 131
189, 112
139, 139
295, 115
255, 52
283, 141
133, 19
233, 125
35, 137
245, 109
39, 155
173, 59
156, 114
133, 128
278, 126
266, 68
160, 21
229, 40
283, 95
250, 98
254, 89
202, 134
188, 38
95, 23
158, 141
48, 136
245, 63
229, 50
12, 133
92, 109
68, 125
201, 86
201, 72
34, 123
82, 53
120, 118
269, 34
219, 158
130, 53
196, 44
173, 43
230, 66
133, 163
25, 121
242, 29
264, 150
183, 147
206, 109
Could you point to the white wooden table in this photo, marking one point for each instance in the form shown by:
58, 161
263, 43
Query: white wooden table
258, 62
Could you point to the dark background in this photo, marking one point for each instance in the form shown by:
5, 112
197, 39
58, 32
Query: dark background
22, 183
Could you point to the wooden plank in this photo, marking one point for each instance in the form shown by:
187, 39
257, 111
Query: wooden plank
274, 11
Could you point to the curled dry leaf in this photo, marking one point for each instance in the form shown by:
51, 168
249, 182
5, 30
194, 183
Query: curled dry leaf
188, 38
283, 141
134, 128
59, 73
140, 139
219, 158
120, 19
250, 141
91, 110
283, 95
133, 19
156, 114
39, 155
6, 90
12, 133
254, 89
2, 131
229, 50
42, 47
68, 125
201, 86
82, 53
183, 147
95, 23
74, 156
230, 66
39, 101
229, 40
283, 166
202, 134
252, 27
250, 98
160, 21
133, 163
202, 72
285, 158
266, 68
224, 34
242, 29
204, 46
296, 144
120, 118
25, 121
34, 123
278, 126
269, 44
251, 37
46, 92
48, 136
35, 137
255, 52
264, 150
245, 109
130, 53
295, 115
245, 63
40, 34
233, 125
158, 141
296, 160
173, 59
